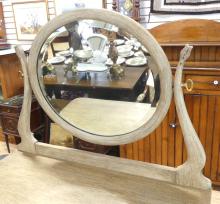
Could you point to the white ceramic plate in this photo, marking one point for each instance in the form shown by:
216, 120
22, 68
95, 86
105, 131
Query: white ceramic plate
56, 60
127, 55
139, 54
84, 67
64, 53
124, 48
136, 61
120, 60
119, 41
129, 42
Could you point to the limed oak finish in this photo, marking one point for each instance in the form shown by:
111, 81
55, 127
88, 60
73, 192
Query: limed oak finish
144, 182
45, 183
165, 145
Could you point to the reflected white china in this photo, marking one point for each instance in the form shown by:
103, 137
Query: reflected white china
124, 50
65, 53
132, 41
129, 54
120, 60
96, 67
139, 54
136, 61
83, 54
137, 45
119, 41
56, 60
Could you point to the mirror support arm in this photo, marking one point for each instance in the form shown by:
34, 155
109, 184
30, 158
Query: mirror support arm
190, 173
27, 139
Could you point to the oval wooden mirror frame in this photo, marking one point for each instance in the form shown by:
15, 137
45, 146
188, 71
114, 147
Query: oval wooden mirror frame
127, 25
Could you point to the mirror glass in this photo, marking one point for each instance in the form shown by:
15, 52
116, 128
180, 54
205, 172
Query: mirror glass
97, 78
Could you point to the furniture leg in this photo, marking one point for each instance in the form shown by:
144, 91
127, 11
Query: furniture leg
7, 143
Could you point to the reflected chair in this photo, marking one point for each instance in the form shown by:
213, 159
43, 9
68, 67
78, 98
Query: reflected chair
97, 42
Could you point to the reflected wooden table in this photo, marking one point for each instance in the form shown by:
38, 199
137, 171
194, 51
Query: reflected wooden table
99, 85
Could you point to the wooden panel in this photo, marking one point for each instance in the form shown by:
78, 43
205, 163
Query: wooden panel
204, 53
129, 151
178, 145
212, 51
209, 134
217, 54
203, 119
192, 30
216, 141
171, 136
135, 150
158, 145
197, 51
165, 126
11, 81
122, 151
147, 149
196, 113
141, 150
153, 147
189, 106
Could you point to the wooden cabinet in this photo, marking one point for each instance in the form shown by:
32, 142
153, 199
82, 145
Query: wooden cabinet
165, 145
10, 75
9, 114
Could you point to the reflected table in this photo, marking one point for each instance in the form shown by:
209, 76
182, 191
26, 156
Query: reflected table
99, 85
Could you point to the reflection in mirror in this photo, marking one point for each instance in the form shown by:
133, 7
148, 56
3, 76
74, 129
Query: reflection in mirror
97, 78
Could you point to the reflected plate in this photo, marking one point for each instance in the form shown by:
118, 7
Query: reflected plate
136, 61
65, 53
129, 42
96, 67
56, 60
139, 54
119, 41
120, 60
127, 55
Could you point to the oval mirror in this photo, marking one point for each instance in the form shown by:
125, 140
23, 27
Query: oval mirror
101, 76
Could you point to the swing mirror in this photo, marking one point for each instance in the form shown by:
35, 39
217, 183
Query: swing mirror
94, 76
